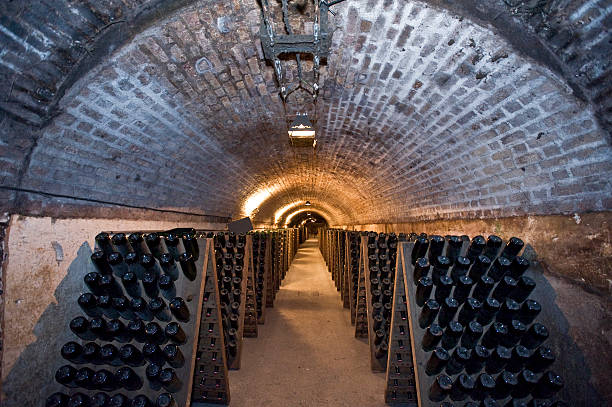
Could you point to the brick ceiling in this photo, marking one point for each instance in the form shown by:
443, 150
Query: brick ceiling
423, 114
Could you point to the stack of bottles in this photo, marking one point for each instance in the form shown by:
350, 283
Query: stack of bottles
481, 334
128, 341
260, 240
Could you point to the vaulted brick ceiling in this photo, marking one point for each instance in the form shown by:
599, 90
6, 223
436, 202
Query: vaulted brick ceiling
423, 114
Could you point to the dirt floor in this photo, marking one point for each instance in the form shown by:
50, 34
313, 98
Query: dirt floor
306, 353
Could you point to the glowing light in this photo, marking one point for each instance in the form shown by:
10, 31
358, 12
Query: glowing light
254, 201
280, 212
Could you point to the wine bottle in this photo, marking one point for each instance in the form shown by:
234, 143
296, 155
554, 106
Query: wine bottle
518, 266
443, 288
494, 335
80, 327
498, 360
485, 384
421, 269
79, 400
153, 242
191, 245
122, 306
462, 387
469, 310
154, 333
119, 267
524, 286
499, 268
458, 360
462, 290
472, 334
432, 337
476, 247
530, 309
148, 262
92, 353
130, 284
428, 313
115, 329
57, 399
541, 359
165, 400
152, 373
493, 245
526, 382
447, 311
72, 352
133, 263
437, 361
175, 333
508, 311
131, 356
110, 355
174, 356
140, 307
141, 401
89, 304
121, 244
104, 380
512, 249
516, 330
172, 241
169, 380
419, 249
167, 287
454, 248
440, 388
535, 335
489, 309
188, 266
436, 247
65, 376
119, 400
479, 267
168, 265
460, 268
505, 383
520, 357
92, 281
478, 358
109, 286
179, 309
158, 308
548, 385
138, 244
440, 268
103, 243
100, 262
504, 287
137, 330
451, 335
128, 379
149, 282
423, 291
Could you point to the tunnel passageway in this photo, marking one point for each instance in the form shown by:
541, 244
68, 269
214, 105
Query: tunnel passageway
306, 353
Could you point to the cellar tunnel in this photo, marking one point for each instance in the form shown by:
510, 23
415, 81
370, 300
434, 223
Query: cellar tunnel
441, 117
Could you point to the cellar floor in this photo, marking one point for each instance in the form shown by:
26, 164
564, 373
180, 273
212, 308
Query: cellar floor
306, 353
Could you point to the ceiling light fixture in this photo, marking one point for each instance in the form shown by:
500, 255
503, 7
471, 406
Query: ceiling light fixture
307, 203
302, 132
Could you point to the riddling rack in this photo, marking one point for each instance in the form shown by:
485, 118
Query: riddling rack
473, 326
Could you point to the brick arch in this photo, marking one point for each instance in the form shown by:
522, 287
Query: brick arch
422, 115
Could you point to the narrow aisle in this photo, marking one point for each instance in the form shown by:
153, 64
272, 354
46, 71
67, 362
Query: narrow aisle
306, 353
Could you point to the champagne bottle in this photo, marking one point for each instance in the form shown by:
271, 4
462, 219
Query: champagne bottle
472, 334
115, 329
505, 383
454, 248
443, 288
152, 373
469, 310
508, 311
119, 400
140, 307
137, 330
72, 352
478, 358
175, 333
149, 282
191, 245
122, 306
526, 382
131, 356
499, 268
548, 385
498, 360
92, 353
423, 291
479, 267
168, 265
89, 304
541, 359
440, 268
78, 400
133, 264
80, 327
460, 268
436, 247
128, 379
520, 357
485, 384
138, 244
110, 355
165, 400
493, 245
103, 243
57, 399
141, 401
188, 266
104, 380
130, 284
504, 287
421, 269
92, 281
513, 247
172, 241
490, 307
179, 309
476, 247
420, 248
516, 330
530, 309
153, 242
154, 333
437, 361
458, 360
462, 387
167, 287
158, 308
121, 244
98, 258
524, 286
118, 266
432, 337
518, 266
447, 311
109, 286
65, 376
535, 335
440, 388
428, 313
174, 356
169, 380
494, 335
451, 335
462, 289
